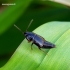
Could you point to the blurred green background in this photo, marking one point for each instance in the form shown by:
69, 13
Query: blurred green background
21, 14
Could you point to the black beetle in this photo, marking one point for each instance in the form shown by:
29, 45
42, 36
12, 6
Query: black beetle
36, 39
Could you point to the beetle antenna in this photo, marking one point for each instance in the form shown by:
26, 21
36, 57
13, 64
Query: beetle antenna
18, 28
29, 24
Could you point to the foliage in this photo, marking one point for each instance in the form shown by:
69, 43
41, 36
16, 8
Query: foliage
55, 32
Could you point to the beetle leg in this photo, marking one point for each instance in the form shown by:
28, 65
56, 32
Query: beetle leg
31, 45
41, 49
29, 41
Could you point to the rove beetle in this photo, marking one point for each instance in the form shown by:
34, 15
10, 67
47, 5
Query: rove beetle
36, 39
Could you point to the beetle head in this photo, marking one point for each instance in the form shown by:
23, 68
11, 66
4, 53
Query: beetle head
28, 36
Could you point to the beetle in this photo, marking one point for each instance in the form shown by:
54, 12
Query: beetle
36, 39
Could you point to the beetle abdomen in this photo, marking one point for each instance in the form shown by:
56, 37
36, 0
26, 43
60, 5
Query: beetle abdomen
48, 45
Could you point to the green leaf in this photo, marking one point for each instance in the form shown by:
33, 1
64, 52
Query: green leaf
53, 59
